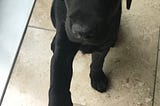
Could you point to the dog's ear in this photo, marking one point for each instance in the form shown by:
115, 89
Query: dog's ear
128, 4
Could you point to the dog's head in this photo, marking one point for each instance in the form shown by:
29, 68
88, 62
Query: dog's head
88, 20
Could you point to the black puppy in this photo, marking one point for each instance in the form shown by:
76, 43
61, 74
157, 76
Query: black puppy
87, 25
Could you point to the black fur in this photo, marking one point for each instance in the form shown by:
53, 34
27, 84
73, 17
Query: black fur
87, 25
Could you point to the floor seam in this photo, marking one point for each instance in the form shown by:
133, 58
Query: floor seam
36, 27
156, 69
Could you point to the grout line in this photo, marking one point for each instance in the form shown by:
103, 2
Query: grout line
156, 70
41, 28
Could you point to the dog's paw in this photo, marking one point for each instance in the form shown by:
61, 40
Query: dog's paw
99, 81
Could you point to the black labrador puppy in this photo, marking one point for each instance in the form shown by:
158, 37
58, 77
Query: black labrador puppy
90, 26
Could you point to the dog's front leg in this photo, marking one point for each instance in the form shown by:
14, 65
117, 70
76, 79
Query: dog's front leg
99, 80
61, 73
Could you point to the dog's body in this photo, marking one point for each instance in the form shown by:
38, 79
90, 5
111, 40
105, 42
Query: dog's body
90, 26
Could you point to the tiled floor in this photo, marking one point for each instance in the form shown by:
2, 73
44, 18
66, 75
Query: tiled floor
133, 65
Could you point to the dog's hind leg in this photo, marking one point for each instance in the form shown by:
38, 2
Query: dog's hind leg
99, 80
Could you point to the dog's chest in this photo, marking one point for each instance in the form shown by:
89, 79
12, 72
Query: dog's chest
90, 48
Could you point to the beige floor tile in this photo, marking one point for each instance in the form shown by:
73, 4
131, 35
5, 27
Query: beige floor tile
29, 83
157, 89
41, 15
130, 65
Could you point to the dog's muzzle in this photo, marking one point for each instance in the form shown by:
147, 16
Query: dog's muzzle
82, 32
